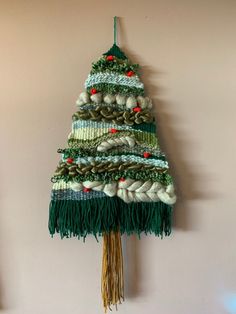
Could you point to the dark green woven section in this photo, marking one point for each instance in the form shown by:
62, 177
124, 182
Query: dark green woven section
94, 216
147, 127
117, 66
117, 89
115, 51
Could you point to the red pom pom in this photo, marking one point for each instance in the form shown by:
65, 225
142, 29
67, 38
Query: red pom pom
122, 179
93, 91
137, 109
113, 130
130, 73
110, 58
86, 189
146, 154
70, 160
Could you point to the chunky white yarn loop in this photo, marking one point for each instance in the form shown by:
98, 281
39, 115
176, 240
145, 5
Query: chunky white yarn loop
108, 144
130, 102
131, 190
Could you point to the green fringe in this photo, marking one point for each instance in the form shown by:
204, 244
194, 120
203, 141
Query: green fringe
72, 218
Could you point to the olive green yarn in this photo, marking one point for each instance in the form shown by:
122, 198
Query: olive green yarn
103, 167
112, 115
71, 218
155, 176
73, 152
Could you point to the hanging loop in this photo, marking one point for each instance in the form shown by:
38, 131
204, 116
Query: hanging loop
115, 29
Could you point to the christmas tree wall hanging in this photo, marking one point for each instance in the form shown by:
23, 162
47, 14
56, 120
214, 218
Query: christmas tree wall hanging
113, 177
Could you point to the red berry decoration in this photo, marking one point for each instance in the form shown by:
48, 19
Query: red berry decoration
93, 91
130, 73
113, 130
110, 58
70, 160
86, 189
137, 109
122, 179
146, 154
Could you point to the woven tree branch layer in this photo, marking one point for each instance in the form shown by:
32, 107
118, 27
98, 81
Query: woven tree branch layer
107, 114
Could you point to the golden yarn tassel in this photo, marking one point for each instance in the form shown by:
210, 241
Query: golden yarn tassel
112, 270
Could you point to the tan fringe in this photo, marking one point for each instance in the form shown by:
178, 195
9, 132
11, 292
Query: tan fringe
112, 270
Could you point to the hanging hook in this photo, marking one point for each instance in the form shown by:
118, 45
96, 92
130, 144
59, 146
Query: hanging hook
115, 27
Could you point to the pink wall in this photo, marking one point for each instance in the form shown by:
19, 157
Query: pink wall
187, 52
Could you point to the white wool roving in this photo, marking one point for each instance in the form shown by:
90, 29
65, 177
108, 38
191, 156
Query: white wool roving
131, 102
109, 99
149, 102
84, 96
97, 98
108, 144
120, 99
76, 186
80, 102
130, 190
110, 189
142, 102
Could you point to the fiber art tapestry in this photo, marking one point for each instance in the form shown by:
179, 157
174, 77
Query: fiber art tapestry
113, 178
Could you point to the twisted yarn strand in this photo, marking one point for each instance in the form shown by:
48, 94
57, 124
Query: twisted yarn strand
131, 190
108, 144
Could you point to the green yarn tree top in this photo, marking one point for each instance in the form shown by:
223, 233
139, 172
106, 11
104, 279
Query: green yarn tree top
116, 52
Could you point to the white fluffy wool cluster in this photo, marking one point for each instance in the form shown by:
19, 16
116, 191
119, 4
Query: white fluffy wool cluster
130, 102
131, 191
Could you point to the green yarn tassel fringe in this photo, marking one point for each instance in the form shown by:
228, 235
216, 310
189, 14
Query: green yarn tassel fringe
71, 218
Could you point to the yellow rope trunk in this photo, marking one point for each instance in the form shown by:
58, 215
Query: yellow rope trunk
112, 270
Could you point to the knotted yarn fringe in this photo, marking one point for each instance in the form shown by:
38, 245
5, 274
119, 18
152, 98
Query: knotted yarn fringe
112, 286
73, 218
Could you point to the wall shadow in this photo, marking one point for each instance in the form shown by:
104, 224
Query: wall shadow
187, 177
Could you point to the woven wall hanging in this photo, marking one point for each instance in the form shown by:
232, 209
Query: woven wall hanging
113, 177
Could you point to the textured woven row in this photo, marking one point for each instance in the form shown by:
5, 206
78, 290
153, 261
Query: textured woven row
112, 78
82, 124
128, 190
100, 167
111, 115
119, 159
118, 101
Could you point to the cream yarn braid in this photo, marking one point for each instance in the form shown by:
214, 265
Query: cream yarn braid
108, 144
131, 190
